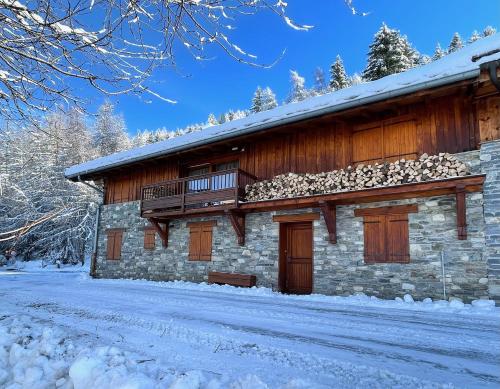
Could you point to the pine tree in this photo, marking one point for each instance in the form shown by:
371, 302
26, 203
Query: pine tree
456, 43
389, 53
338, 75
298, 91
474, 37
438, 53
257, 101
424, 59
320, 86
212, 120
489, 31
268, 99
356, 79
110, 131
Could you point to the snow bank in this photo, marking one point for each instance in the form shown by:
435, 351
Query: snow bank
477, 307
34, 356
44, 265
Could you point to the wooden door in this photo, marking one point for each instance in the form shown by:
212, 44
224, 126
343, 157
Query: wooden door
296, 265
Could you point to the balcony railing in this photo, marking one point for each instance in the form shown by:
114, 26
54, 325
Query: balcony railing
223, 189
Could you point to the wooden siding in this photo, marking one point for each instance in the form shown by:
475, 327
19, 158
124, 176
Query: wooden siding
126, 186
444, 124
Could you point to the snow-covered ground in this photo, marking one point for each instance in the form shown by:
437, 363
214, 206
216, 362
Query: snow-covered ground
64, 329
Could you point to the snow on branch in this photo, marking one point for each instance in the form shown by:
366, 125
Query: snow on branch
49, 49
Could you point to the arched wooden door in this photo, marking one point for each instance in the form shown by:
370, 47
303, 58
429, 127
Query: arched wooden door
296, 258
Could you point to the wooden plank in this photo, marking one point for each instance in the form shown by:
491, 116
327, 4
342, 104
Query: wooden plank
300, 217
392, 210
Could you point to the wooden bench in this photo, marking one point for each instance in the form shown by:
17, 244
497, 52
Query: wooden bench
245, 280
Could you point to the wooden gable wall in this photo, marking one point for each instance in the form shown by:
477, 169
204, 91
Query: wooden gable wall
445, 124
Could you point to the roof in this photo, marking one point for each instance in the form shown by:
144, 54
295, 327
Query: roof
450, 69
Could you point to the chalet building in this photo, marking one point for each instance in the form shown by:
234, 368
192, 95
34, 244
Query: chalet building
178, 209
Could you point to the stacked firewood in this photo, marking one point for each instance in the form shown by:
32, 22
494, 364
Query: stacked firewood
363, 176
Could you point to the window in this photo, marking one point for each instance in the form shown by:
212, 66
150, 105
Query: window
149, 238
114, 244
387, 140
200, 240
386, 234
215, 182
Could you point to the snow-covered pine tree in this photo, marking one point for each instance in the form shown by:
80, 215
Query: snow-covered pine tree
212, 120
356, 79
474, 37
257, 100
389, 53
456, 43
489, 31
110, 131
320, 86
268, 99
298, 91
438, 52
424, 59
338, 75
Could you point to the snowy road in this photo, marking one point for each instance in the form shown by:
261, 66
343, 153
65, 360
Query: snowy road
230, 332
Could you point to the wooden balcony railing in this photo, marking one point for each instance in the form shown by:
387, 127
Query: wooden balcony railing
223, 189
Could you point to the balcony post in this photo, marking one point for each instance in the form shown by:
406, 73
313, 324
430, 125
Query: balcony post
183, 194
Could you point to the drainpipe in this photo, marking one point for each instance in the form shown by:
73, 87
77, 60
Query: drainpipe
443, 274
93, 257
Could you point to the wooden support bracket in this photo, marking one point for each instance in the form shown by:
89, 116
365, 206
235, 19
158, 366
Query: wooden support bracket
329, 211
162, 232
461, 212
238, 222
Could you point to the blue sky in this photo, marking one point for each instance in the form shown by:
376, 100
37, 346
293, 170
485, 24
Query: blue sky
222, 84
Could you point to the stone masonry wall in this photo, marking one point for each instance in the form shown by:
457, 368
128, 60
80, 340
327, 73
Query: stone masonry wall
338, 269
259, 256
490, 165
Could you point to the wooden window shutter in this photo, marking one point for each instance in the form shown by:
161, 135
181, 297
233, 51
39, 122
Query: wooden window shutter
200, 240
374, 238
194, 243
114, 244
149, 238
110, 245
397, 238
206, 243
386, 233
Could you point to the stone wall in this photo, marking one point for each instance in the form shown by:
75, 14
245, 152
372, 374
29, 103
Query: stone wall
490, 165
338, 269
259, 256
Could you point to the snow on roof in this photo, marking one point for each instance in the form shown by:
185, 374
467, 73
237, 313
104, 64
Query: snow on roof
451, 68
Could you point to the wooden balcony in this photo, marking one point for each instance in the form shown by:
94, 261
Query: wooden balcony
217, 191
